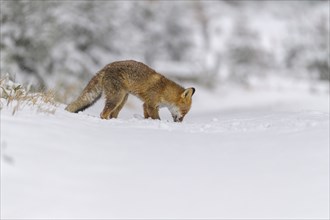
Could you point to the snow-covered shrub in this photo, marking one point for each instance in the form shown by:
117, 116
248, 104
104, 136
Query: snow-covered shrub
245, 55
307, 46
48, 43
16, 97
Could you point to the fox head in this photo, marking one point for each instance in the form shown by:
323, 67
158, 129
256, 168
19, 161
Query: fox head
182, 106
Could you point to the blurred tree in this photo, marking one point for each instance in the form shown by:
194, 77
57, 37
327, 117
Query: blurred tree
246, 56
308, 47
52, 42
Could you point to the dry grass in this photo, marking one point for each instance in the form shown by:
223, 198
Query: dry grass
16, 97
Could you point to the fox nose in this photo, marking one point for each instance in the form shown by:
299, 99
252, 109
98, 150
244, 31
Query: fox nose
178, 119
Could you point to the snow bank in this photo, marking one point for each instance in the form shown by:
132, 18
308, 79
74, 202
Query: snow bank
252, 155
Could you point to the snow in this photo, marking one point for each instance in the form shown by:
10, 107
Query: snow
238, 154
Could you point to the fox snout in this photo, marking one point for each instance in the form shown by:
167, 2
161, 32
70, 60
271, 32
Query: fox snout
178, 118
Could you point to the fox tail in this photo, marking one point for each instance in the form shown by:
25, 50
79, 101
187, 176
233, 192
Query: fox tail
89, 95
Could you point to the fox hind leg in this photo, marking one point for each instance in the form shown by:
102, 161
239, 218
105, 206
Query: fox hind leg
116, 111
113, 105
110, 105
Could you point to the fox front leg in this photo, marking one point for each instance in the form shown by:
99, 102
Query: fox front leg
145, 111
150, 112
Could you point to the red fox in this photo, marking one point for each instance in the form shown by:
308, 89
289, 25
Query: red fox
119, 79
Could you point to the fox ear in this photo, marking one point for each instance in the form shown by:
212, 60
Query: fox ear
188, 92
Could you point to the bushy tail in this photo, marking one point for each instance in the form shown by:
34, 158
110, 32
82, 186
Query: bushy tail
89, 95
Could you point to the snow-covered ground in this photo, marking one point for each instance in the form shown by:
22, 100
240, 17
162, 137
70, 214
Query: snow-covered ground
259, 153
